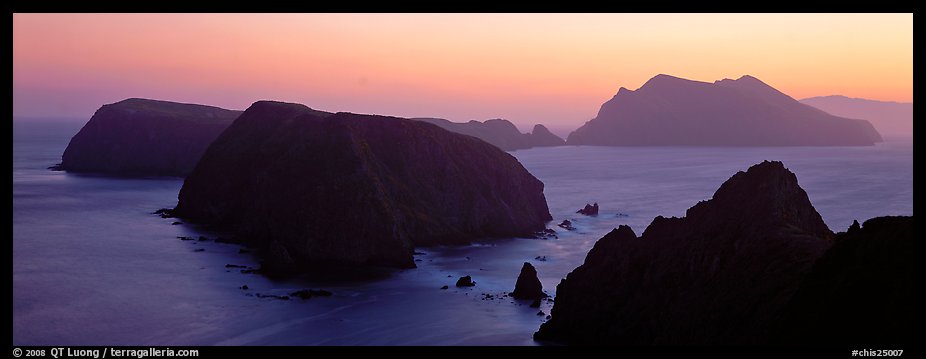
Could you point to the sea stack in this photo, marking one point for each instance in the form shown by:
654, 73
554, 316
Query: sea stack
528, 285
720, 275
141, 137
671, 111
356, 190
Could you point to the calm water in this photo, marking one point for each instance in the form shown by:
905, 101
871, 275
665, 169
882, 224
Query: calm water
92, 266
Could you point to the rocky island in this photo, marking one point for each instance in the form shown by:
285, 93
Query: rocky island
355, 190
720, 275
145, 137
671, 111
500, 133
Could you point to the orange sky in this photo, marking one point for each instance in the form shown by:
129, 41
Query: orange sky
555, 69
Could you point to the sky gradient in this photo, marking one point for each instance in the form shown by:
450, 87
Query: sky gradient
555, 69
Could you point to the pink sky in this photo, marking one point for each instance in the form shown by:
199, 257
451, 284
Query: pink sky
555, 69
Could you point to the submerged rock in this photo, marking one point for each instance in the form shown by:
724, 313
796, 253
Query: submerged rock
309, 293
720, 275
567, 225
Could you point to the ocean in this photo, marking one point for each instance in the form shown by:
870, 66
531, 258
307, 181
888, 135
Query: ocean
93, 266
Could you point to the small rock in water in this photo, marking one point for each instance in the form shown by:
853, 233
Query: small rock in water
541, 258
444, 287
182, 238
176, 223
567, 224
535, 303
165, 212
541, 313
548, 317
203, 239
234, 266
199, 250
465, 281
244, 287
589, 210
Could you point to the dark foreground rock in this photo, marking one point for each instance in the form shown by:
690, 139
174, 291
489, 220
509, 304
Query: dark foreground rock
860, 293
528, 285
145, 137
671, 111
355, 190
720, 275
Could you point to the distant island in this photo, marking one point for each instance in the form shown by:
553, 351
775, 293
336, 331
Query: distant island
355, 190
671, 111
888, 117
501, 133
145, 137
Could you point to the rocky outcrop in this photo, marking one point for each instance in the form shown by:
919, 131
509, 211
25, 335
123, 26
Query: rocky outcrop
465, 281
670, 111
145, 137
528, 285
540, 136
356, 190
860, 293
720, 275
500, 133
589, 209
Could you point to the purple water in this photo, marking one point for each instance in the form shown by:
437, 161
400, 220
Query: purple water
93, 266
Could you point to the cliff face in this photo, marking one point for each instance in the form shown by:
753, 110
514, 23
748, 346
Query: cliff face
719, 275
500, 133
145, 137
356, 189
670, 111
860, 293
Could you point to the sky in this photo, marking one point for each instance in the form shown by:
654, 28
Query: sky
555, 69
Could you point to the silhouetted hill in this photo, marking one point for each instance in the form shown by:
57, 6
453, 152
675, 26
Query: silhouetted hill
669, 111
500, 133
356, 190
